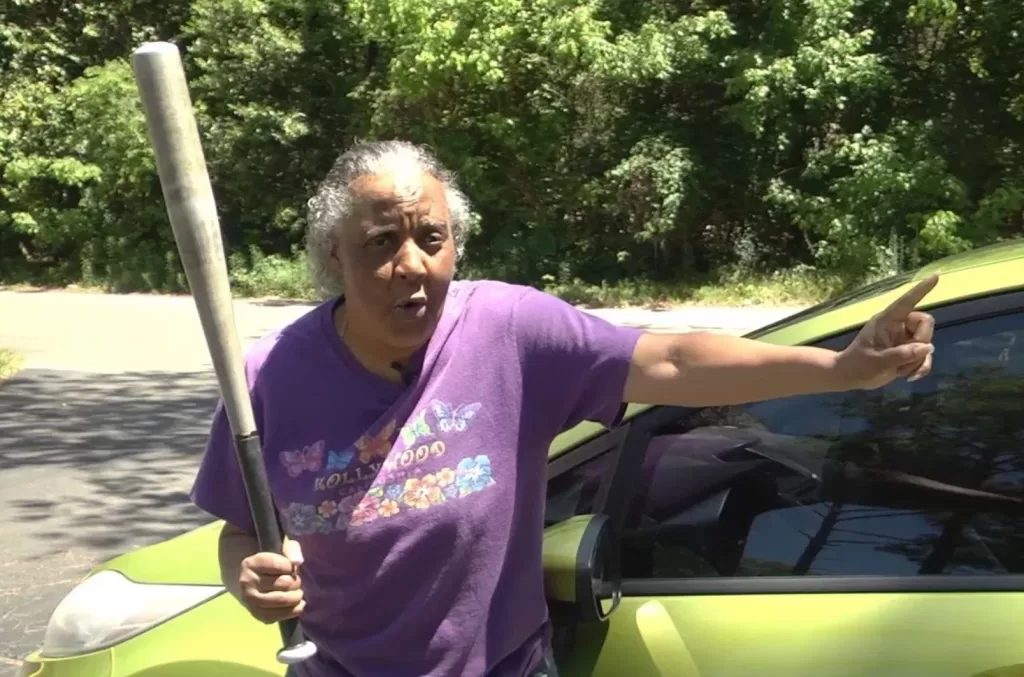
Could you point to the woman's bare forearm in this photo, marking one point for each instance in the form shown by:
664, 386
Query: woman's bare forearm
705, 369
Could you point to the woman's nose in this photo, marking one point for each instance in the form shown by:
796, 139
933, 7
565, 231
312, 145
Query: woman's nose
409, 262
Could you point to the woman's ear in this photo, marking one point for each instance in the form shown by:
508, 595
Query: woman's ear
335, 258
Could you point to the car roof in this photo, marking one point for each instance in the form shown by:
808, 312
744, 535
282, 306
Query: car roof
976, 273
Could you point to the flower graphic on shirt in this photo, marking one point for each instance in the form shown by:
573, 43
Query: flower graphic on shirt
301, 519
394, 491
445, 476
377, 446
328, 509
349, 503
388, 508
421, 492
473, 474
366, 511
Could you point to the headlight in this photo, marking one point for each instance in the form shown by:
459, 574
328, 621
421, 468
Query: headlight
107, 608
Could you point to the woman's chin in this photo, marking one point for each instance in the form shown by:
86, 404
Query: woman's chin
412, 329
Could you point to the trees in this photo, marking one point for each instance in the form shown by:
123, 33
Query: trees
599, 139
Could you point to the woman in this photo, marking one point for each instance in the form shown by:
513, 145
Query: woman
406, 423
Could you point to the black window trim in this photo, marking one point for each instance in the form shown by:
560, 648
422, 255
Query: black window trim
618, 487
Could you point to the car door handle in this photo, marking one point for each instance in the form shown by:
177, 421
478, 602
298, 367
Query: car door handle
665, 645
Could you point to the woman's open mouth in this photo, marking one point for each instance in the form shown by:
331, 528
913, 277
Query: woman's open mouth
411, 309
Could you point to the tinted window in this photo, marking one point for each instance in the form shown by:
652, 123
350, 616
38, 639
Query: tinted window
573, 492
917, 478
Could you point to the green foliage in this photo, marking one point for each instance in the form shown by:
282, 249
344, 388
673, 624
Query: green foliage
277, 276
606, 144
10, 363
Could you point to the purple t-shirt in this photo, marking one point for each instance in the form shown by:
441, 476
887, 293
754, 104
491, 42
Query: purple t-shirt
420, 507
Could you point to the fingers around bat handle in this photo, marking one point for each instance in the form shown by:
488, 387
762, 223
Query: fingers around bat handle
296, 647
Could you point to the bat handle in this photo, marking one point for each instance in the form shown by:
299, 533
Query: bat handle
296, 647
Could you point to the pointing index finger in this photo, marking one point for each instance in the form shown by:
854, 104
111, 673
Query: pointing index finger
905, 304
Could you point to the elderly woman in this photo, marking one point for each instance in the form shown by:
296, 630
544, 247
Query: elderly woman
406, 421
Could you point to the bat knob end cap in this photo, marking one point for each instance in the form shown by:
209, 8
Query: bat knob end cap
290, 655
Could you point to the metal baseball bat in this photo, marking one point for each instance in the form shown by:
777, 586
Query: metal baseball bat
192, 211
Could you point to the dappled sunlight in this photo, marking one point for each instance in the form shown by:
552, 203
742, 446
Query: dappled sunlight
91, 466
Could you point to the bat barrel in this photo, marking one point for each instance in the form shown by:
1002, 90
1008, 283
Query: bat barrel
192, 211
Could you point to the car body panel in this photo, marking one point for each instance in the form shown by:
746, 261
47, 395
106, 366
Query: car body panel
216, 638
819, 634
193, 553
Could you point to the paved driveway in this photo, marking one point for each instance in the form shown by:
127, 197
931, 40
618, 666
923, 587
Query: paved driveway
100, 435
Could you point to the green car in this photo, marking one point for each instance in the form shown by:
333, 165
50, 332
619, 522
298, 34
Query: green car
869, 533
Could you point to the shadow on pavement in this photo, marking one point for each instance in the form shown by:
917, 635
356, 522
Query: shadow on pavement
91, 466
101, 460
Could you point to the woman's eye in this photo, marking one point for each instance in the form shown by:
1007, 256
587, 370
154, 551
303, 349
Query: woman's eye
435, 237
380, 241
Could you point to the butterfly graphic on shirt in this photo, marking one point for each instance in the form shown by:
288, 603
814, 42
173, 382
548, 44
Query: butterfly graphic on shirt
377, 446
298, 461
451, 418
416, 429
339, 460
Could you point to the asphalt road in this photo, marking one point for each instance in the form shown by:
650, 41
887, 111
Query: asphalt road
91, 466
101, 434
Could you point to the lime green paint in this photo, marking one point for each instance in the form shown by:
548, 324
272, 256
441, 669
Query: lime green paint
93, 665
976, 258
218, 638
819, 635
188, 558
991, 270
665, 646
561, 548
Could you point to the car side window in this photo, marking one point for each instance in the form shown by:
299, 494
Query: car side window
573, 492
916, 478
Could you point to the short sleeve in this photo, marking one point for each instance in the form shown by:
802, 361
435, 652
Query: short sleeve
219, 488
574, 364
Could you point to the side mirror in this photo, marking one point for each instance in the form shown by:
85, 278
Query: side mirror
581, 577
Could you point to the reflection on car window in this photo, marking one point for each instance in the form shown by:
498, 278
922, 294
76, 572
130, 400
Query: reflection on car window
573, 492
917, 478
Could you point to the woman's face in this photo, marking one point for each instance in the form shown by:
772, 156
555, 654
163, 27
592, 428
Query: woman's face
397, 257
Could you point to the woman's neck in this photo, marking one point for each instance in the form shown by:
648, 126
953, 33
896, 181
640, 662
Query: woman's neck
377, 358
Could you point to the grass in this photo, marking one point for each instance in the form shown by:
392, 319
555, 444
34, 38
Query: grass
288, 278
798, 287
10, 363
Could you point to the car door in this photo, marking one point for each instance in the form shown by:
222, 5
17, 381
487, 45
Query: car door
865, 533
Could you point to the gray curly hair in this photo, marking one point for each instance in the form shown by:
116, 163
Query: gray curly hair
331, 206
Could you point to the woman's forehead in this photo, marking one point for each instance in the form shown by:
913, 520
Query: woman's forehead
399, 191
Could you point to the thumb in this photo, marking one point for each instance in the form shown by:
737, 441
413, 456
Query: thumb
293, 551
908, 353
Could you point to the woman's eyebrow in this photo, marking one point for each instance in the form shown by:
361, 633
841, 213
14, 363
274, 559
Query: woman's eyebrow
383, 229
